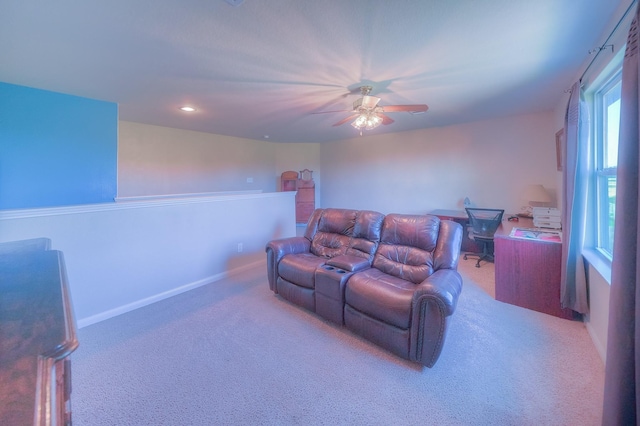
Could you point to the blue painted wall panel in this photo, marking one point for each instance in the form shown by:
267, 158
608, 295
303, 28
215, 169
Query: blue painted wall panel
56, 149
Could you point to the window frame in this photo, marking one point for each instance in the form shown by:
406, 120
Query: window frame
599, 257
602, 173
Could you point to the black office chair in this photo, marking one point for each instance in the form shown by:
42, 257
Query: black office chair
482, 226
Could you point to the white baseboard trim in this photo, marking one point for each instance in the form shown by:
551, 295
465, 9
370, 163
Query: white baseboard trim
602, 351
84, 322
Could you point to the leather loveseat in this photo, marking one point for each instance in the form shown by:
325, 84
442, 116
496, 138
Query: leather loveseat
392, 279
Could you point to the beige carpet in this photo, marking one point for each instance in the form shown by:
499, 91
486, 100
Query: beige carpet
484, 276
233, 353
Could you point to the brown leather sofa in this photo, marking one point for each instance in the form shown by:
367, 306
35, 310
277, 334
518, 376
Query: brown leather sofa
392, 279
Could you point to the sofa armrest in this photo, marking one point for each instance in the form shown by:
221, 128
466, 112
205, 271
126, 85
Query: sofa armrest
292, 245
444, 285
434, 301
277, 249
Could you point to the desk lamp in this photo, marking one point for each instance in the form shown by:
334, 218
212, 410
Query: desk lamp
533, 196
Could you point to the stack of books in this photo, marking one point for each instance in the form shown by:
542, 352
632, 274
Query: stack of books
547, 217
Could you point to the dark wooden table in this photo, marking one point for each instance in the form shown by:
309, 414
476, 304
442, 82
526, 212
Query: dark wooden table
37, 334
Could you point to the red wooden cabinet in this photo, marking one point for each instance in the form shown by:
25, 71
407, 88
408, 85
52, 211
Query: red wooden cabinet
306, 195
289, 181
305, 200
528, 271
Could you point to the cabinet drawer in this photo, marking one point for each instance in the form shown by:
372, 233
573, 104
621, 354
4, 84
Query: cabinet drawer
303, 212
305, 195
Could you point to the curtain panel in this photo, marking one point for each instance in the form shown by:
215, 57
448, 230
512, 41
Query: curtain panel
621, 402
573, 284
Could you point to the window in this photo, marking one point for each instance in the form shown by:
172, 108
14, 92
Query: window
606, 107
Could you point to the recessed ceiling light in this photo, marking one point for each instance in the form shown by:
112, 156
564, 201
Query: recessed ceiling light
187, 109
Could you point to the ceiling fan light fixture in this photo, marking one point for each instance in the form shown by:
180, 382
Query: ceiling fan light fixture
368, 120
374, 121
369, 115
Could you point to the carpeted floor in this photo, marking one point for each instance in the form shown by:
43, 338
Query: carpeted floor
233, 353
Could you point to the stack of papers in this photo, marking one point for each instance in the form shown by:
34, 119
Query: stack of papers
546, 217
537, 234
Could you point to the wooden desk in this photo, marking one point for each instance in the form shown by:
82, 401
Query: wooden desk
37, 334
528, 271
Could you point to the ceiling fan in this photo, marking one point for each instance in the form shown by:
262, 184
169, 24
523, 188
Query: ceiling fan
367, 114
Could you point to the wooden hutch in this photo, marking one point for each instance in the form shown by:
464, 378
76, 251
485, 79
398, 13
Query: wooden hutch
306, 192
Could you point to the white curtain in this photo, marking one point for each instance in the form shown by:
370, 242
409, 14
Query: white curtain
573, 287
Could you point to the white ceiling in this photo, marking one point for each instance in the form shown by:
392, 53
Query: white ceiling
264, 67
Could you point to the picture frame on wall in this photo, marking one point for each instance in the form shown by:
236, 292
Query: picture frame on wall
559, 145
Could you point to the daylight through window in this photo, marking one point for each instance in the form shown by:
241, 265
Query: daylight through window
607, 127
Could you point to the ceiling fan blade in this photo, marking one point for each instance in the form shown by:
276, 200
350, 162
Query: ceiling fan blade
344, 120
386, 119
335, 110
407, 108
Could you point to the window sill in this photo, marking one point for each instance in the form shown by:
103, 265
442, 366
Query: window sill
599, 263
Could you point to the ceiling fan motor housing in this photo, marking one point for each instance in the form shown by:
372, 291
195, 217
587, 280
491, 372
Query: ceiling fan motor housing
365, 102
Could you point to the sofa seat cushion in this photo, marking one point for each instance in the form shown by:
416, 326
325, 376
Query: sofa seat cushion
300, 268
381, 296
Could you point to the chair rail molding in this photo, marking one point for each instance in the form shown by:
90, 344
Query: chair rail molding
124, 255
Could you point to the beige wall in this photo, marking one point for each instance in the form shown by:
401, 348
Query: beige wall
154, 160
414, 172
597, 321
488, 161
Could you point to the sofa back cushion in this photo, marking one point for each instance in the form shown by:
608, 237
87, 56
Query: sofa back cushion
312, 224
334, 231
366, 234
407, 245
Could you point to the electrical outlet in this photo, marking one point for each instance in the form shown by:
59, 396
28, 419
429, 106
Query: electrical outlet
249, 180
239, 247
